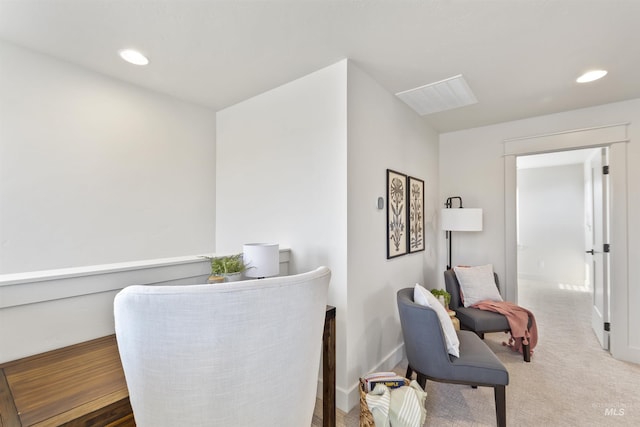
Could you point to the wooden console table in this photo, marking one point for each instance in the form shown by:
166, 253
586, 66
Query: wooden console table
84, 385
329, 369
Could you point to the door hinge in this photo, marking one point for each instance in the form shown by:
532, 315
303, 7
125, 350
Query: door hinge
607, 326
606, 248
605, 170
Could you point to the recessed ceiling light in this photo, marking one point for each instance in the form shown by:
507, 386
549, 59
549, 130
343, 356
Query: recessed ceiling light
590, 76
133, 56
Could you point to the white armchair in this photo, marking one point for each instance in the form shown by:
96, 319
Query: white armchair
237, 354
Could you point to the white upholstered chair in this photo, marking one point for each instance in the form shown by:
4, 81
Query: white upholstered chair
234, 354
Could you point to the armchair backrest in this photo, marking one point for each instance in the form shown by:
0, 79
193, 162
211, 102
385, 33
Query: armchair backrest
453, 287
424, 340
243, 353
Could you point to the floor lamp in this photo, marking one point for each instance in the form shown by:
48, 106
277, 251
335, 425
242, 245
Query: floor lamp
459, 219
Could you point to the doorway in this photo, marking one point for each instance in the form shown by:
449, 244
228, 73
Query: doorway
616, 138
562, 213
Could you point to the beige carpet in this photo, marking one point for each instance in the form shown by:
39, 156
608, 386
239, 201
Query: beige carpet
570, 381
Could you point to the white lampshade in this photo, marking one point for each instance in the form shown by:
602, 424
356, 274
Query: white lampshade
461, 219
261, 259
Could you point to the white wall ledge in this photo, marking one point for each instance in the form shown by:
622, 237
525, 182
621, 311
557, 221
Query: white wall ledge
71, 272
53, 308
66, 273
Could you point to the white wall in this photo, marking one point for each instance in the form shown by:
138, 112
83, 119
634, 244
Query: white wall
551, 212
281, 172
384, 133
471, 164
282, 177
303, 165
95, 171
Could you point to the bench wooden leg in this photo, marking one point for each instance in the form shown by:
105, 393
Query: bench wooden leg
422, 381
501, 405
409, 372
526, 352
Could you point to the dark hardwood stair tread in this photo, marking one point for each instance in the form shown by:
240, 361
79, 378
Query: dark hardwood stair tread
82, 384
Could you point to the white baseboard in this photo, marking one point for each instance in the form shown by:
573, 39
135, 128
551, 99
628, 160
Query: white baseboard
348, 398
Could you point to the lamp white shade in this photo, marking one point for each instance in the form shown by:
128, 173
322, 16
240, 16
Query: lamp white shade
261, 259
461, 219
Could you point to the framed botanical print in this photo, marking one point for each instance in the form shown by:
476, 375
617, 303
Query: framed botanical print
396, 214
415, 218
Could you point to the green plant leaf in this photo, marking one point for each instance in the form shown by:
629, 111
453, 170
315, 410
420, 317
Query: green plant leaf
227, 264
442, 293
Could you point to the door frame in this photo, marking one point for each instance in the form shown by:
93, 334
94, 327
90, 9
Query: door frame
615, 137
599, 268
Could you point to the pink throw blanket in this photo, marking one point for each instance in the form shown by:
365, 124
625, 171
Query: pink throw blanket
518, 318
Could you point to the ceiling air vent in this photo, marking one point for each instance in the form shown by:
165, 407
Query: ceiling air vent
446, 94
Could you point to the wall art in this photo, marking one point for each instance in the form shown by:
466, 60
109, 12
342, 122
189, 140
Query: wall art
415, 217
396, 214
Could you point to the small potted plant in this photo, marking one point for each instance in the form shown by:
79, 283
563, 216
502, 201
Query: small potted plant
443, 296
227, 268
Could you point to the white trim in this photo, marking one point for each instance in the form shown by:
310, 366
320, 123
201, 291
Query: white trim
51, 287
511, 228
616, 137
566, 140
619, 312
12, 279
563, 132
349, 398
90, 270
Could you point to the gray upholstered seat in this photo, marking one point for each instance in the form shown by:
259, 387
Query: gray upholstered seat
427, 353
474, 319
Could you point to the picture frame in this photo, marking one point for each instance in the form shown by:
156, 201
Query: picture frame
396, 214
415, 214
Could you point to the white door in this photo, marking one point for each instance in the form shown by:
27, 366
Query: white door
597, 258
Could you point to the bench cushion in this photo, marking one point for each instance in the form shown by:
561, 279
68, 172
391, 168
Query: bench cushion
481, 320
477, 363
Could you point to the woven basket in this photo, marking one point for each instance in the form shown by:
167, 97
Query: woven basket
366, 418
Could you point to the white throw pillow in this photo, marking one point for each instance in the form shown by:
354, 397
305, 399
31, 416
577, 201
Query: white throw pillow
477, 284
424, 297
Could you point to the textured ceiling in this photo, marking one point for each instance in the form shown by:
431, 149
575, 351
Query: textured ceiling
520, 58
